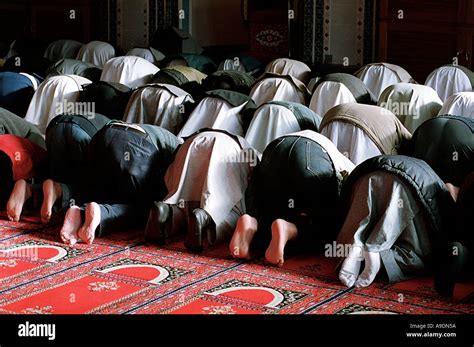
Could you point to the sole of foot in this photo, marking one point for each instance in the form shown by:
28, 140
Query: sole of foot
21, 193
244, 232
282, 232
71, 225
51, 192
87, 232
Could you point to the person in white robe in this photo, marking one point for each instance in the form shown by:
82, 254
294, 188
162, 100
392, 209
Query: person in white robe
450, 79
413, 104
62, 49
164, 105
221, 109
131, 71
206, 185
274, 87
276, 119
459, 104
291, 67
55, 96
154, 56
231, 65
336, 89
96, 52
328, 95
379, 76
364, 131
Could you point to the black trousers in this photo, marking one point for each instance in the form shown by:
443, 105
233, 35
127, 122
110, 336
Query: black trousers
125, 176
295, 181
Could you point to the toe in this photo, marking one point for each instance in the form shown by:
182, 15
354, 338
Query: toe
235, 252
64, 238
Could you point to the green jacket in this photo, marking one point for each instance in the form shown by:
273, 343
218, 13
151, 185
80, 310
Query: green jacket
446, 143
14, 125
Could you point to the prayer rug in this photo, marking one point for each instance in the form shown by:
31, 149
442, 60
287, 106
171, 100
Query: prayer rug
122, 274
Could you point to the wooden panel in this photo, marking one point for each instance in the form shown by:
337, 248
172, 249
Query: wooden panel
431, 34
424, 11
48, 19
13, 20
469, 12
420, 52
468, 54
54, 23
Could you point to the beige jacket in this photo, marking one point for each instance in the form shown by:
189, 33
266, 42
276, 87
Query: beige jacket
380, 125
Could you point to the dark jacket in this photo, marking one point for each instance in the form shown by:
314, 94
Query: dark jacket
16, 92
297, 181
128, 166
75, 67
446, 143
236, 81
178, 75
426, 185
67, 138
110, 98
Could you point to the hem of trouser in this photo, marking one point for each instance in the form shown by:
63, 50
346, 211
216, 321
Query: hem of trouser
100, 230
65, 199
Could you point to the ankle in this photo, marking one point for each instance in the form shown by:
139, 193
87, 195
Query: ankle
282, 229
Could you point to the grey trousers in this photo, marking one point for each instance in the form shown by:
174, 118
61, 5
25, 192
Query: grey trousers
386, 217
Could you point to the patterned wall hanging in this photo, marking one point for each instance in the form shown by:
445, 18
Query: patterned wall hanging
313, 18
163, 13
318, 35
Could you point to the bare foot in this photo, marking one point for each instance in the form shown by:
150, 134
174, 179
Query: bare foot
87, 232
21, 192
282, 232
71, 225
51, 192
244, 232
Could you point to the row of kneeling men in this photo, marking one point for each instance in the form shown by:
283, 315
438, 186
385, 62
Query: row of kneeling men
132, 89
402, 203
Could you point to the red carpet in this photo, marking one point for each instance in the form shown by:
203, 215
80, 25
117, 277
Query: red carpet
122, 274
